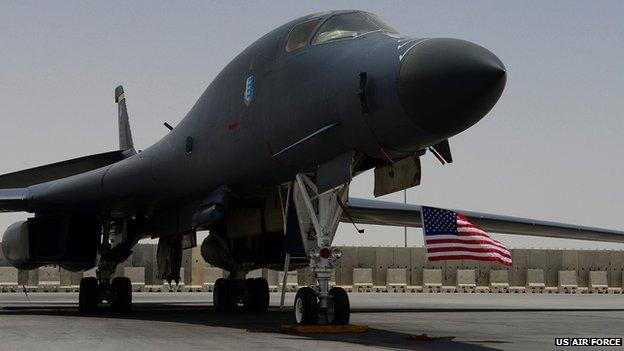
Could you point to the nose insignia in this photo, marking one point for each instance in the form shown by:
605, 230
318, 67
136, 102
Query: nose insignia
447, 85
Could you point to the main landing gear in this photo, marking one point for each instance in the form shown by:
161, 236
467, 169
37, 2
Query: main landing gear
319, 215
252, 293
102, 289
118, 294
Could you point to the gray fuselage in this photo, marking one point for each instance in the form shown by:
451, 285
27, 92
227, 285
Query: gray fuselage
231, 136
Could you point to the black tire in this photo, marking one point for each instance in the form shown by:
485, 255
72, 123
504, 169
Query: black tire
223, 295
258, 294
88, 296
121, 294
339, 300
306, 307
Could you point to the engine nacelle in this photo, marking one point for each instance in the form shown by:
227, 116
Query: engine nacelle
216, 252
15, 246
70, 242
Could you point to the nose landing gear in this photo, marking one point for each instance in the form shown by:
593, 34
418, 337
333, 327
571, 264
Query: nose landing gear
319, 215
307, 310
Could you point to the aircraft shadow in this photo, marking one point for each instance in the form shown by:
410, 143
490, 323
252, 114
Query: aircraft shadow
477, 310
257, 323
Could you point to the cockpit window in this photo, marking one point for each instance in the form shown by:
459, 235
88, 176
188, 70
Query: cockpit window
381, 23
300, 35
349, 25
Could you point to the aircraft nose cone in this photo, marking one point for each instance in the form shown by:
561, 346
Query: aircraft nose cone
447, 85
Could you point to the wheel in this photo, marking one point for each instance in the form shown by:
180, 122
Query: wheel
306, 306
338, 308
258, 294
121, 294
88, 297
223, 296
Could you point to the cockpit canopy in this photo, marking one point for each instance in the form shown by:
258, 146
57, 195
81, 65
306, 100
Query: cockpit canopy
339, 26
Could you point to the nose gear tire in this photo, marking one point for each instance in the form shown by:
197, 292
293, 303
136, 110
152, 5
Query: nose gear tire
339, 304
306, 307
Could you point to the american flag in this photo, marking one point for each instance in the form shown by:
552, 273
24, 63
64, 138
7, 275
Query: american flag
451, 236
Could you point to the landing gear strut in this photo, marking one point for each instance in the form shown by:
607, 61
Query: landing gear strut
319, 215
116, 291
252, 293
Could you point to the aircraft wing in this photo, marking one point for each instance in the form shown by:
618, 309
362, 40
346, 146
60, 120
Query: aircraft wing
12, 200
46, 173
406, 215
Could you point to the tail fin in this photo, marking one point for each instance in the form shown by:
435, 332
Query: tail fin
125, 135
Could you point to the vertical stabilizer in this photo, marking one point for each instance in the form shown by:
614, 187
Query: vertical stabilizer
125, 135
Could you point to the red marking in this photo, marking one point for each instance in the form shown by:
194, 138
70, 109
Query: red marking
420, 337
459, 241
345, 210
233, 125
469, 249
325, 253
465, 257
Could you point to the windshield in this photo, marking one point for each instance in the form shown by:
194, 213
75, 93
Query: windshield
300, 35
381, 23
350, 25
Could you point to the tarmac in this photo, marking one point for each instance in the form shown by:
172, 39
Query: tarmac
187, 321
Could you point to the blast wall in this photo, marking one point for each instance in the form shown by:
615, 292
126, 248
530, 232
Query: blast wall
409, 263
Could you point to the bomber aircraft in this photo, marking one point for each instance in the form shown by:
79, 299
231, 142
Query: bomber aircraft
263, 161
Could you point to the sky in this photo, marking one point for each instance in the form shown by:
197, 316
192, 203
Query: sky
550, 149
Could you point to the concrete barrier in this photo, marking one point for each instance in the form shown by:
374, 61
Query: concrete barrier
137, 277
70, 281
349, 261
598, 282
432, 279
533, 270
418, 261
256, 273
174, 286
8, 279
384, 259
272, 279
291, 281
210, 276
305, 277
367, 258
567, 281
466, 280
49, 279
535, 280
396, 279
362, 279
616, 270
499, 280
518, 271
